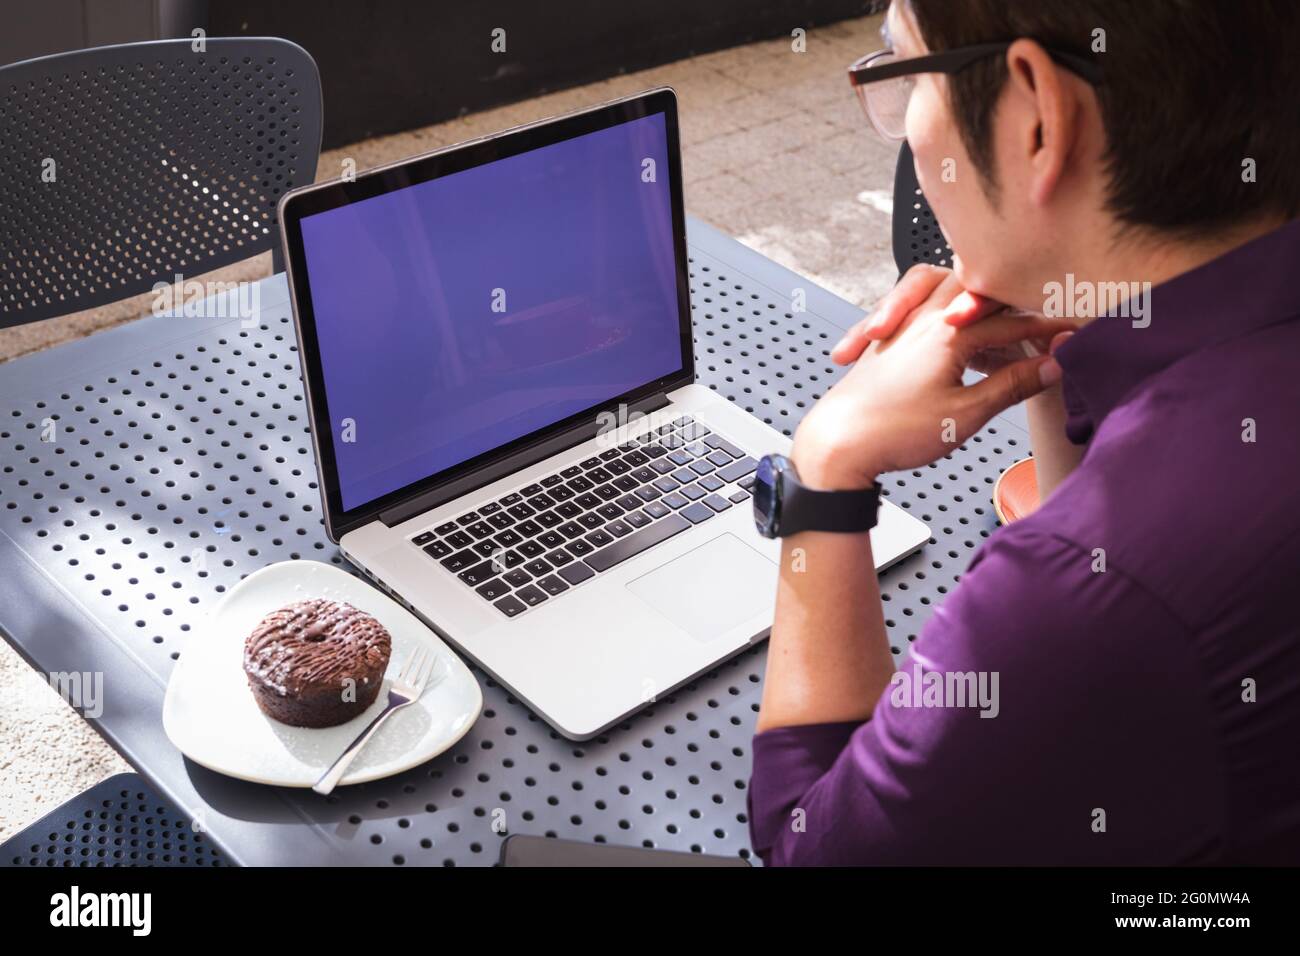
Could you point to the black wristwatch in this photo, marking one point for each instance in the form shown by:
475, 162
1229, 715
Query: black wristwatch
782, 506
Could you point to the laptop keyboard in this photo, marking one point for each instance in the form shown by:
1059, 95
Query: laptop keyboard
538, 542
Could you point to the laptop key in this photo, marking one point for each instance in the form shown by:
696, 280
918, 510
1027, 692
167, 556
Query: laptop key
629, 502
580, 484
618, 528
459, 561
551, 540
680, 457
684, 476
537, 568
420, 540
625, 483
579, 548
635, 458
529, 490
672, 442
739, 495
738, 468
702, 465
493, 589
634, 544
500, 520
510, 559
571, 472
485, 548
609, 511
711, 483
577, 572
698, 449
508, 538
467, 519
684, 420
666, 484
559, 558
599, 538
662, 466
438, 549
528, 527
521, 511
552, 585
747, 482
694, 492
676, 501
551, 481
717, 502
549, 519
607, 492
491, 508
637, 519
618, 467
540, 502
511, 499
517, 577
656, 509
697, 512
648, 493
608, 455
510, 606
591, 520
530, 549
589, 462
530, 596
459, 539
479, 573
720, 458
587, 501
724, 445
562, 492
654, 451
447, 528
571, 530
599, 475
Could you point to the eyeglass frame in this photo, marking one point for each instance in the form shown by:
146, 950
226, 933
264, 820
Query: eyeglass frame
861, 73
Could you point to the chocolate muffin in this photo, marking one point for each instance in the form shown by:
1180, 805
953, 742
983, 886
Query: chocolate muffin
316, 663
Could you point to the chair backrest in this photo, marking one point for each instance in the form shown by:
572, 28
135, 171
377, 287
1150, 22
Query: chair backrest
123, 166
916, 232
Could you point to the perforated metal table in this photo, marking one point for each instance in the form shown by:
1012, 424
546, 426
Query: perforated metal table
182, 462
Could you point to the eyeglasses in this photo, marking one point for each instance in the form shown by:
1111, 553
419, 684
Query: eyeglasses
884, 81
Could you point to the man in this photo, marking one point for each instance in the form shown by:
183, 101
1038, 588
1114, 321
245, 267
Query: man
1140, 628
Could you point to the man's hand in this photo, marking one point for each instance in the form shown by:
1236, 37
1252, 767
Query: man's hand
903, 403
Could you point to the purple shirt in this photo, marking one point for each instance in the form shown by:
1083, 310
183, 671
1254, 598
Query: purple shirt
1148, 712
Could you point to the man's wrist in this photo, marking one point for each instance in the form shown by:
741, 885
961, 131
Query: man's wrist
821, 468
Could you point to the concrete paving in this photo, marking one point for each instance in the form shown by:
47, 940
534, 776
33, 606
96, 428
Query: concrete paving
776, 151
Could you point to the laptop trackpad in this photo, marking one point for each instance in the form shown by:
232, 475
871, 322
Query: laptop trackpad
708, 591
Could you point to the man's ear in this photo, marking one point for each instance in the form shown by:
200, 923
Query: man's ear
1049, 113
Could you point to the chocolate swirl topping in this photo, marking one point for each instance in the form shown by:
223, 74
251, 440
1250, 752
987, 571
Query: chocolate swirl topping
316, 643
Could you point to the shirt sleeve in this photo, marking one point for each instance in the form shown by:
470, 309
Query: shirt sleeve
1069, 727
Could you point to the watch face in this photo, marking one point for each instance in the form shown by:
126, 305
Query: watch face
767, 480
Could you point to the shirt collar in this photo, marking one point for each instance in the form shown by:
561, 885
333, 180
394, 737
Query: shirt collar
1242, 291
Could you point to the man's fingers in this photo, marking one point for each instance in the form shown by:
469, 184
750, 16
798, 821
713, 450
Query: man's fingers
1009, 386
1008, 328
912, 290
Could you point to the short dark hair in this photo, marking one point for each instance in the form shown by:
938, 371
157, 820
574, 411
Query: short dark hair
1192, 89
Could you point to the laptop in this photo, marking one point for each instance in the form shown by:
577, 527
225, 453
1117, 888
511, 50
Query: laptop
496, 345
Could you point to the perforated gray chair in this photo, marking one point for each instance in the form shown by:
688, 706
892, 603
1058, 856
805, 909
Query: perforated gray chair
916, 232
122, 166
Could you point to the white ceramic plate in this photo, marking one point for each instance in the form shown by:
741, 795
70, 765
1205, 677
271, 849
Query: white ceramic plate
210, 714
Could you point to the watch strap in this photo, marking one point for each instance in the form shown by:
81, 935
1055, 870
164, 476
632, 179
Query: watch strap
804, 509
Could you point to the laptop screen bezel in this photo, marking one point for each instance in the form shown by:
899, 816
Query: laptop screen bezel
308, 201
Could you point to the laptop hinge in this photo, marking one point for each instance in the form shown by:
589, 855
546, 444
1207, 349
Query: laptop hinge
426, 501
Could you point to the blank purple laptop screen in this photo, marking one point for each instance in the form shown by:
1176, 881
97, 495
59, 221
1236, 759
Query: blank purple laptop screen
459, 314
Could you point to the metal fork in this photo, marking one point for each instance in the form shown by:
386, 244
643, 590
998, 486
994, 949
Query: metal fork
405, 689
